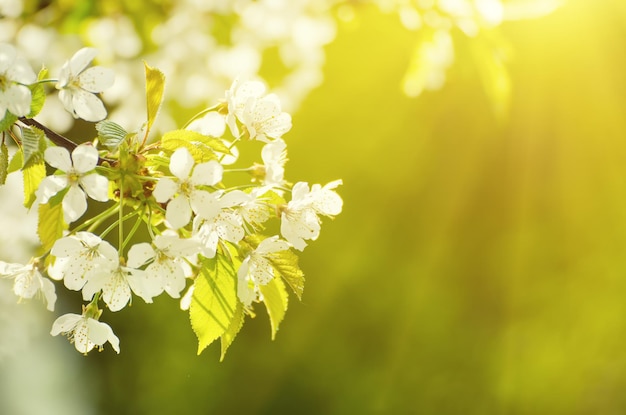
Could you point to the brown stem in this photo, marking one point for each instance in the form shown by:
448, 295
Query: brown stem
57, 138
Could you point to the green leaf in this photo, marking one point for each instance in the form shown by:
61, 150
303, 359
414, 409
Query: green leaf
33, 175
276, 300
38, 94
231, 332
214, 301
8, 120
110, 134
155, 84
202, 148
33, 145
17, 161
286, 263
51, 224
4, 163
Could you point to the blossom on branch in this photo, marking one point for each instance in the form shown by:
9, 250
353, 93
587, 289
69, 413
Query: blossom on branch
183, 193
85, 332
78, 256
299, 218
78, 85
260, 114
167, 260
256, 269
79, 178
28, 281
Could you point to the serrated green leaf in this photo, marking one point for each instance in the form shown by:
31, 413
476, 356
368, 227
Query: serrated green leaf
4, 163
231, 332
214, 300
38, 94
16, 162
110, 134
276, 301
32, 138
155, 84
202, 148
8, 120
33, 175
286, 264
51, 224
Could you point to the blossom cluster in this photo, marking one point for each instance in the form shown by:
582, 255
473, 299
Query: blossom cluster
130, 215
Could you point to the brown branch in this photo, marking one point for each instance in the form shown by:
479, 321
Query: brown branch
57, 138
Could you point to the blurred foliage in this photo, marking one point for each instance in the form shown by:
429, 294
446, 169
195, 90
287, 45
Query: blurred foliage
478, 267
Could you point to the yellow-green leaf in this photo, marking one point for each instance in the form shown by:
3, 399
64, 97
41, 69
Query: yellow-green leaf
33, 175
202, 148
51, 224
286, 263
276, 300
33, 145
155, 84
231, 332
214, 300
38, 94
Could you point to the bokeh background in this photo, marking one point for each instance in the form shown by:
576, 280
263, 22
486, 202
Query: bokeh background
478, 266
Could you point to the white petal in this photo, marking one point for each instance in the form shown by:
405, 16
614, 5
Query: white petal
100, 333
74, 204
59, 158
88, 106
47, 288
81, 337
66, 246
209, 173
8, 54
85, 158
235, 197
65, 323
82, 59
145, 285
270, 245
299, 191
178, 212
164, 190
96, 79
181, 163
116, 292
96, 186
204, 204
139, 254
171, 274
19, 99
49, 187
263, 271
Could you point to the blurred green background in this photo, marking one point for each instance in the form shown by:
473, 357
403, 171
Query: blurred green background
478, 266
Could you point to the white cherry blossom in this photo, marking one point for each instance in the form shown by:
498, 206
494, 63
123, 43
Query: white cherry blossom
257, 270
227, 225
260, 114
79, 178
78, 256
78, 85
167, 258
85, 332
183, 193
15, 74
299, 218
28, 281
250, 206
118, 283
